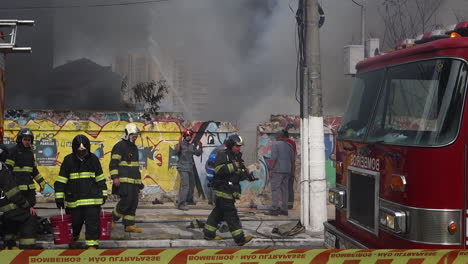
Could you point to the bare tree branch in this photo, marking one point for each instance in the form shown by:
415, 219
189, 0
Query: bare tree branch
408, 18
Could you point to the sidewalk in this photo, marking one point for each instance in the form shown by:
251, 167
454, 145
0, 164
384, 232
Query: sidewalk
166, 227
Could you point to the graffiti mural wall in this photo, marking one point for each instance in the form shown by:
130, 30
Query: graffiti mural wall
54, 131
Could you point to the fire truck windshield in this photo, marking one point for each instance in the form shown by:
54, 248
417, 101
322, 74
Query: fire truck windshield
414, 104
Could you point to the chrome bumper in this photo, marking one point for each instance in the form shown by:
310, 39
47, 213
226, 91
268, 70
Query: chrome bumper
333, 238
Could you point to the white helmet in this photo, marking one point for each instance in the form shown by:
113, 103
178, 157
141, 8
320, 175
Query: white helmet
131, 129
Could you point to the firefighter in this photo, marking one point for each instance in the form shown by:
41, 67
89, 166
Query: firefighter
229, 171
185, 150
18, 215
23, 164
124, 168
81, 188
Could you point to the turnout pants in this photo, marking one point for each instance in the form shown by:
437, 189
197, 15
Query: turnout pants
20, 220
127, 205
187, 187
224, 210
279, 188
88, 215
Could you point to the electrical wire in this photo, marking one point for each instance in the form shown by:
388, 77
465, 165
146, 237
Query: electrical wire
81, 6
354, 1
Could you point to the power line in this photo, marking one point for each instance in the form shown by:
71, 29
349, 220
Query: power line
357, 3
81, 6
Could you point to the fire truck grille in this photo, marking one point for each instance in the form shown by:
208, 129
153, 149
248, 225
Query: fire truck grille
362, 200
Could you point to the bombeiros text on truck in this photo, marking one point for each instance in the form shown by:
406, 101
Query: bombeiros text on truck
402, 149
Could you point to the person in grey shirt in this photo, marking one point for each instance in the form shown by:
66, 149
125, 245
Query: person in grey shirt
185, 150
282, 166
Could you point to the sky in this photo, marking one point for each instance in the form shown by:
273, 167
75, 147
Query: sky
247, 48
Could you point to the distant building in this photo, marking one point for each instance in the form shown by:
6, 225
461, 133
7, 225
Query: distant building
190, 90
139, 69
83, 85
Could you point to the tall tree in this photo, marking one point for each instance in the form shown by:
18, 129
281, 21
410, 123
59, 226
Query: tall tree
150, 94
408, 18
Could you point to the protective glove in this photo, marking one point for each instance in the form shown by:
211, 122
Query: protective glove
104, 199
141, 186
60, 203
251, 177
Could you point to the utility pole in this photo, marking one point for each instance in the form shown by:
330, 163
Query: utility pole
363, 23
313, 187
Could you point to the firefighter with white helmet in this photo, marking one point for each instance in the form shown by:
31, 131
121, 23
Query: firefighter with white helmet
124, 169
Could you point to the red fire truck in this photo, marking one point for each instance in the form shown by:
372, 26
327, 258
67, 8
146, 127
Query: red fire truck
402, 149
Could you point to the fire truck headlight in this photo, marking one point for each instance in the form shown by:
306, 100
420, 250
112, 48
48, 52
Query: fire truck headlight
337, 197
392, 220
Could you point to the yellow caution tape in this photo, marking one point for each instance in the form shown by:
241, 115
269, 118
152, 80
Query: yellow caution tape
234, 256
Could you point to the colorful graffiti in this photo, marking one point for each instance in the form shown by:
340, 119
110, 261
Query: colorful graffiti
55, 130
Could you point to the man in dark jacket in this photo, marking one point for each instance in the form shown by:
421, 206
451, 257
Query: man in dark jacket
124, 168
23, 164
229, 171
17, 212
185, 150
81, 187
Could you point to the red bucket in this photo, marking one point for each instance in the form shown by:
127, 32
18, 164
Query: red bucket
106, 225
62, 229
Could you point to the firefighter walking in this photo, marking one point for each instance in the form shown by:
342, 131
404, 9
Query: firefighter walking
22, 163
81, 188
124, 168
17, 212
229, 171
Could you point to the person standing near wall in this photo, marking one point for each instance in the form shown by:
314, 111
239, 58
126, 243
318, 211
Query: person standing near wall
282, 156
292, 179
209, 167
185, 150
81, 188
124, 168
22, 163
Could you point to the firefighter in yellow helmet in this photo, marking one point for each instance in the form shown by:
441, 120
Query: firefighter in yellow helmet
124, 168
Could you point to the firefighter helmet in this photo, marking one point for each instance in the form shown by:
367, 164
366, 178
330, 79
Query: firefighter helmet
81, 146
131, 129
187, 132
234, 140
24, 132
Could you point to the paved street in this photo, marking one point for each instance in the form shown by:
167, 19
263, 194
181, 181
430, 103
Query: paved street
166, 227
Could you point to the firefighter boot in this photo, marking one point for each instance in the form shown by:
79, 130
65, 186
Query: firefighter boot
73, 245
246, 240
132, 229
214, 238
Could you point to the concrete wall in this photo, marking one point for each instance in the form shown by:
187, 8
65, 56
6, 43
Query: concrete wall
54, 131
